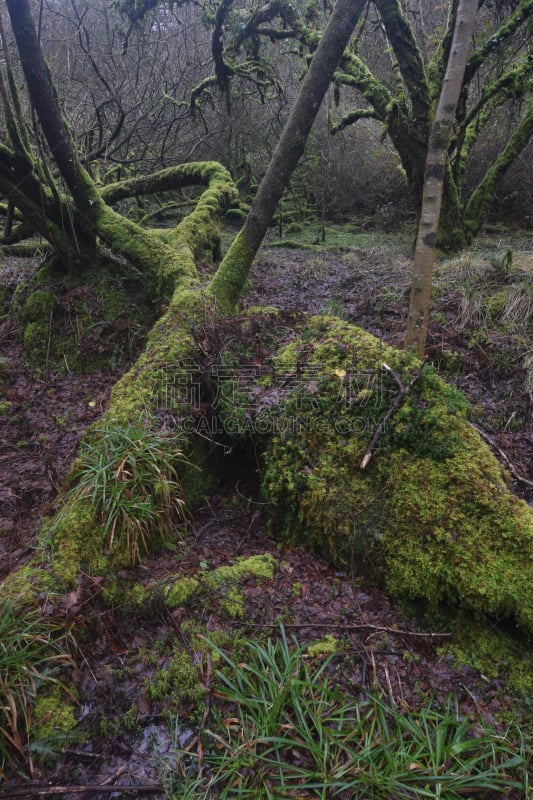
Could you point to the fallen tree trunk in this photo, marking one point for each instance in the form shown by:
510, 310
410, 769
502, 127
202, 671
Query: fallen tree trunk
430, 517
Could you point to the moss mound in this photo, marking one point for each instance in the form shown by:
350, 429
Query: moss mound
431, 517
94, 320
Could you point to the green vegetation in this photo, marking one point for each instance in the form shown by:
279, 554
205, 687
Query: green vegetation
178, 684
129, 475
97, 320
283, 728
431, 517
33, 649
222, 583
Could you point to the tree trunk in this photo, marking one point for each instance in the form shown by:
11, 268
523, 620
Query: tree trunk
230, 278
482, 198
441, 133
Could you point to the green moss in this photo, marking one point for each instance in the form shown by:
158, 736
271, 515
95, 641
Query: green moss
260, 566
5, 406
494, 653
227, 282
127, 596
180, 591
227, 578
54, 716
117, 726
39, 306
84, 321
178, 682
223, 581
25, 584
78, 543
327, 646
221, 585
431, 517
166, 366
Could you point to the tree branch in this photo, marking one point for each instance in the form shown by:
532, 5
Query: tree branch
398, 400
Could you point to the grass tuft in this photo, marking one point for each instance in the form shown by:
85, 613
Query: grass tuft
129, 475
283, 730
32, 650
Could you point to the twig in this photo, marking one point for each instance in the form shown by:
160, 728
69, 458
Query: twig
47, 791
343, 627
512, 469
397, 402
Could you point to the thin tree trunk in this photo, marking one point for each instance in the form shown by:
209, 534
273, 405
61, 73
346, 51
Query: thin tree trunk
228, 282
441, 133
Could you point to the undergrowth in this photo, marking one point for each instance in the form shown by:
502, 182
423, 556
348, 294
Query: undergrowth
129, 475
33, 649
282, 729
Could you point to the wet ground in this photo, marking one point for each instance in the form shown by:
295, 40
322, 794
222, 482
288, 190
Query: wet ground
130, 740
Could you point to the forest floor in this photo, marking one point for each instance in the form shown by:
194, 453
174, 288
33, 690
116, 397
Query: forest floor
130, 735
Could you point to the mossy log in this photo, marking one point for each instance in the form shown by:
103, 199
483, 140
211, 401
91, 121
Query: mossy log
431, 517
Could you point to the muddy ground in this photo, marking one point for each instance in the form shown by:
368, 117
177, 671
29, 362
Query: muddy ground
129, 740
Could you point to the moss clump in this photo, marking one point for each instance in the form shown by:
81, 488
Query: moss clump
221, 585
181, 591
25, 584
127, 596
39, 305
178, 682
431, 517
222, 582
327, 646
90, 321
493, 652
54, 718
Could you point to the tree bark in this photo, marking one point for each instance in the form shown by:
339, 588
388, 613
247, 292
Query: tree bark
482, 197
43, 98
440, 137
229, 280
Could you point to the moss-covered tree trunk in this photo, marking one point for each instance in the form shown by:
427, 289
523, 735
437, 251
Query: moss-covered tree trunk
404, 106
435, 173
164, 262
483, 196
432, 511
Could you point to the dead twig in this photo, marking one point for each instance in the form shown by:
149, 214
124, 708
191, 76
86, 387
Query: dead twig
403, 391
48, 791
343, 627
508, 463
